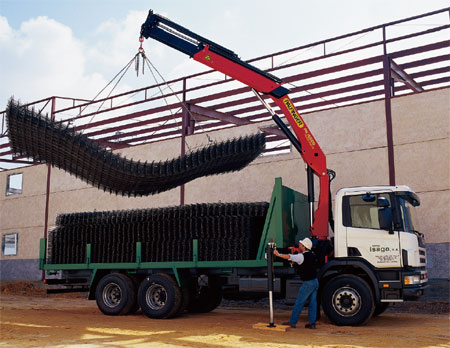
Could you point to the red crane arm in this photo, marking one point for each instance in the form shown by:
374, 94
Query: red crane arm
225, 61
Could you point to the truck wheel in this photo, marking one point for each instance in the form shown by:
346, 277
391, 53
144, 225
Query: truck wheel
159, 296
115, 294
186, 298
348, 301
380, 308
136, 281
206, 295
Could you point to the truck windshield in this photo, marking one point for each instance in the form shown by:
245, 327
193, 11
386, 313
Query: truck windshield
410, 221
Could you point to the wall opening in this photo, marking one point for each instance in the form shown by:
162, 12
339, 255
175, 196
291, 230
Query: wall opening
9, 244
14, 184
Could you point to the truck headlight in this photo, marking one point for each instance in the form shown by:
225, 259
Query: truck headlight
412, 280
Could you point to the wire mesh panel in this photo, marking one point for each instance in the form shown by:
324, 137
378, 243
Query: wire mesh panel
44, 140
226, 231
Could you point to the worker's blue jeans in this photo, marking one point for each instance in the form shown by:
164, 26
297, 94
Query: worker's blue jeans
308, 290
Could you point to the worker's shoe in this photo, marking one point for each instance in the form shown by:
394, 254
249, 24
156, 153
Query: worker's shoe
289, 324
310, 326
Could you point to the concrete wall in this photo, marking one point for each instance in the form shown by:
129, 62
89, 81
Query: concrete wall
352, 137
421, 127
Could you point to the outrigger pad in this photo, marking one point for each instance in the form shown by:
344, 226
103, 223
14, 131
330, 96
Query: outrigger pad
44, 140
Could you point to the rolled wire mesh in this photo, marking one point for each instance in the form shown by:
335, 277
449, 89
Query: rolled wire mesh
45, 140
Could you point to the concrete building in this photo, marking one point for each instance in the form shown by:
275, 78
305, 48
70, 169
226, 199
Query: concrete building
355, 147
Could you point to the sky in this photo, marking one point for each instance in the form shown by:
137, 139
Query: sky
74, 47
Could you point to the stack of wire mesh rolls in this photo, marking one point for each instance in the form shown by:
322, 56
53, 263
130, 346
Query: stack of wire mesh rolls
225, 231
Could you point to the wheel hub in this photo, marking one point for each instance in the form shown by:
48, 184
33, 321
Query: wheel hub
112, 295
346, 301
156, 296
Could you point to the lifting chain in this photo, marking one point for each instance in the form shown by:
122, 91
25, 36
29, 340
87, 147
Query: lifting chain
140, 53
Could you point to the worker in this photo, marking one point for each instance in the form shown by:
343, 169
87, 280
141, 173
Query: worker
307, 268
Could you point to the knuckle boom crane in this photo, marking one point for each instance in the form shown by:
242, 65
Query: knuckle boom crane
262, 83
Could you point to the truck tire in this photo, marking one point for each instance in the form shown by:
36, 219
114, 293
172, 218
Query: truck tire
185, 300
115, 294
205, 298
380, 308
347, 300
159, 296
136, 281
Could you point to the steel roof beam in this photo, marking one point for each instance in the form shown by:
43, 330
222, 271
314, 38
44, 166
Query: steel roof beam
274, 130
201, 113
401, 75
16, 161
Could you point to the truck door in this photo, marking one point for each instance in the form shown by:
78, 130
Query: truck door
370, 233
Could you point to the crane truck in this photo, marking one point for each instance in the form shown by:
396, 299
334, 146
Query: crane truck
371, 254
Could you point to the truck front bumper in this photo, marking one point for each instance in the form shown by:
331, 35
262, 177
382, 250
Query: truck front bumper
414, 284
413, 293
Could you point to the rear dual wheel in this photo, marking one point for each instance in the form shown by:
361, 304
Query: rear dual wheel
116, 294
205, 294
160, 297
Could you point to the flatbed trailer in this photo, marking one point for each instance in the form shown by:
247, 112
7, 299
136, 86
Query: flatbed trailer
286, 221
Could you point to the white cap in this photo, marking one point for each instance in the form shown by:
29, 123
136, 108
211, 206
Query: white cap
306, 243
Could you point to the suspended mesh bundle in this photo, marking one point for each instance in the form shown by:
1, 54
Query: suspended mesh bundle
225, 231
44, 140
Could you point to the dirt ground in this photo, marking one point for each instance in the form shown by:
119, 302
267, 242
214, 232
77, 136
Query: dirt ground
30, 318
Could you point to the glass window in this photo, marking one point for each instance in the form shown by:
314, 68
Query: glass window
363, 214
9, 244
410, 221
14, 184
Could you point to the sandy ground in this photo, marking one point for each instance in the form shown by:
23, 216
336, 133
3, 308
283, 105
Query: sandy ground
39, 320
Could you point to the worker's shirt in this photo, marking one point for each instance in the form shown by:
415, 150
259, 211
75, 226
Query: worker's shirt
297, 258
306, 264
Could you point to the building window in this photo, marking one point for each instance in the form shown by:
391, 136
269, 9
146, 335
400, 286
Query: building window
14, 184
9, 244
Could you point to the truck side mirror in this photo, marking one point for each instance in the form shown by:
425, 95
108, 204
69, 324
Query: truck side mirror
385, 219
382, 202
368, 197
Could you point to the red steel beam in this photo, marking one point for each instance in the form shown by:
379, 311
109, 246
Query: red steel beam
128, 125
281, 148
420, 49
299, 99
17, 161
273, 130
359, 32
128, 116
402, 76
388, 93
47, 192
289, 79
427, 61
209, 114
304, 98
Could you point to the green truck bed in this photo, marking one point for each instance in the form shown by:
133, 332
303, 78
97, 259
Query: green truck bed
286, 222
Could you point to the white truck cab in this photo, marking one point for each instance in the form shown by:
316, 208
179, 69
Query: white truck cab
379, 224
